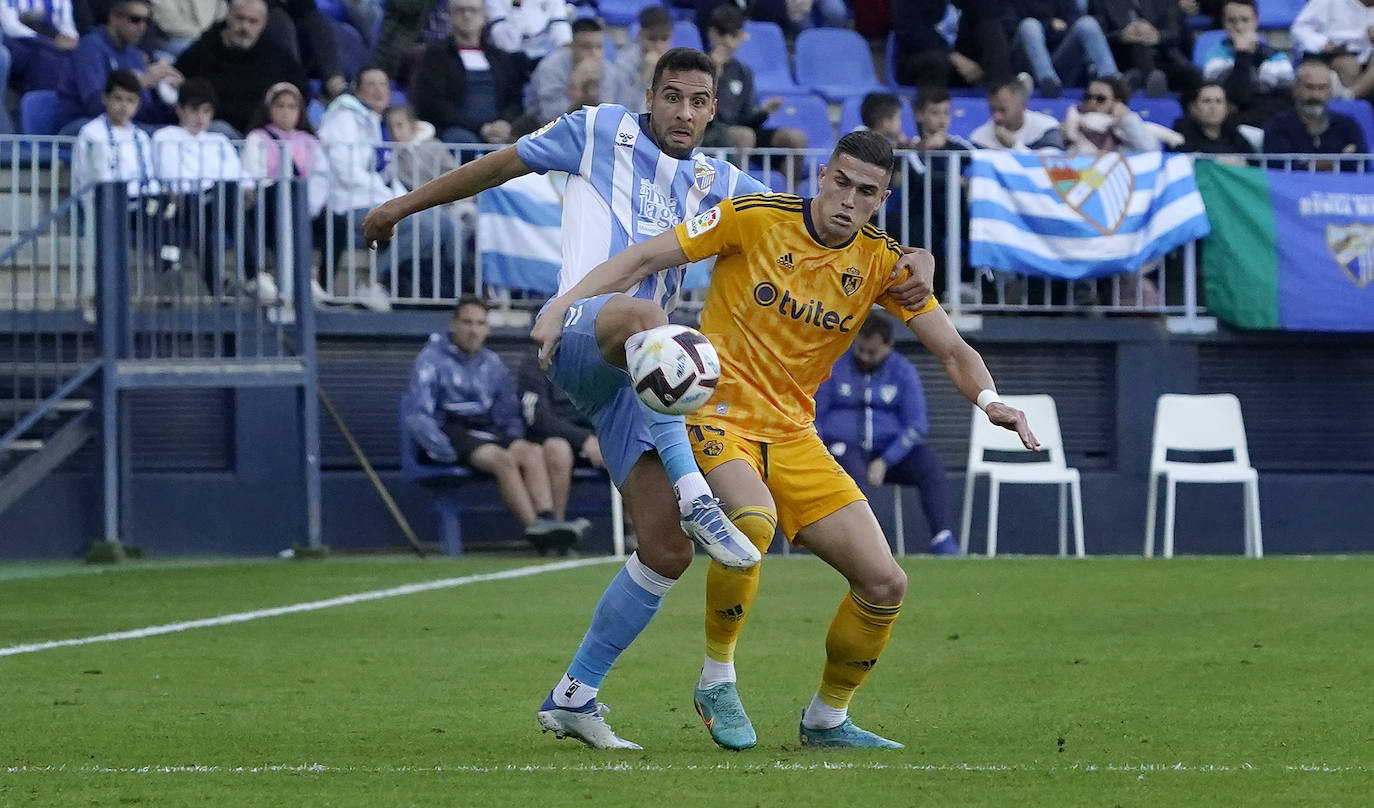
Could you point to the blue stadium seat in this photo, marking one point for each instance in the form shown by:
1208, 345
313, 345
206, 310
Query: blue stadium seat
1204, 42
808, 113
353, 51
835, 63
442, 480
1056, 108
685, 34
1163, 111
1275, 14
850, 119
966, 114
38, 113
622, 12
333, 9
1361, 112
776, 182
765, 53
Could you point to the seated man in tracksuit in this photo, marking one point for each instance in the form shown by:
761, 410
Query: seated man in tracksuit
871, 412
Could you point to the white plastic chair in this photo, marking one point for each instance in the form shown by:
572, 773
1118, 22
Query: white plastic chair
1200, 424
1043, 417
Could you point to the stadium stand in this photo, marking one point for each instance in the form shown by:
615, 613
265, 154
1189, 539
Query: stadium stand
1361, 111
1278, 14
685, 34
442, 481
1204, 42
965, 114
808, 113
353, 51
851, 120
835, 63
621, 12
765, 53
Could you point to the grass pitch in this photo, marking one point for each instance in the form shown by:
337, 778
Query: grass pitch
1199, 681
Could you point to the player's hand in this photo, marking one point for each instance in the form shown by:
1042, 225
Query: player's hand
877, 471
379, 225
1011, 418
547, 331
912, 291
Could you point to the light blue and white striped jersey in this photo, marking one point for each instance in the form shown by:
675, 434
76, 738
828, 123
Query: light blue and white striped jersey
622, 190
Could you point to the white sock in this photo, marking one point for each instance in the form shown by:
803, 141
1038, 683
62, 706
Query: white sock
714, 673
688, 488
820, 715
571, 693
632, 345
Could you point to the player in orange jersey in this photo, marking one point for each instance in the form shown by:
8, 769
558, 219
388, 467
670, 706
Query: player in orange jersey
793, 281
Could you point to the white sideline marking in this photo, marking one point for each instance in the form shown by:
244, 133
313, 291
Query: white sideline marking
316, 605
779, 765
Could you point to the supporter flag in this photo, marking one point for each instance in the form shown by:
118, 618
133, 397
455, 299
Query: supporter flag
519, 233
1291, 251
1080, 216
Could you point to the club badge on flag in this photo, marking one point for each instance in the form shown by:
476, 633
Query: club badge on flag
1083, 216
1352, 246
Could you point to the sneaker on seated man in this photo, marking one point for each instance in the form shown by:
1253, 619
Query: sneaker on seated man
465, 411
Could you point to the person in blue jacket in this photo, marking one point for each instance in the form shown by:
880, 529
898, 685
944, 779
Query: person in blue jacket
464, 410
871, 412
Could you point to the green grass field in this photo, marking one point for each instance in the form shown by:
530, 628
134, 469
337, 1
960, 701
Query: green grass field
1024, 682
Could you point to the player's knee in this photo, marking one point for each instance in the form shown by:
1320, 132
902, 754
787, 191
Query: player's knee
669, 556
625, 316
885, 589
756, 522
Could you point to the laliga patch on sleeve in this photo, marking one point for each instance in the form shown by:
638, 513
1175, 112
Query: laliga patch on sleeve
546, 127
704, 222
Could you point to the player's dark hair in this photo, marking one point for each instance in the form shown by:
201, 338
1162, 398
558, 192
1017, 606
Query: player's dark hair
877, 325
867, 147
122, 80
586, 24
683, 60
931, 94
195, 92
877, 107
470, 300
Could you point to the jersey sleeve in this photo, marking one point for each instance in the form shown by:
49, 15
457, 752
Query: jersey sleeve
715, 232
556, 146
902, 313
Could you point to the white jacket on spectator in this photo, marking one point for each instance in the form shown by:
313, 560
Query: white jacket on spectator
1093, 132
103, 152
1345, 22
347, 175
532, 27
187, 162
1038, 131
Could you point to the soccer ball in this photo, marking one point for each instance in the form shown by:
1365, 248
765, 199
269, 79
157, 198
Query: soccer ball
676, 370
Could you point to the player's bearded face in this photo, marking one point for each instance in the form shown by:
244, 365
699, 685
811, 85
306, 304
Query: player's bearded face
680, 107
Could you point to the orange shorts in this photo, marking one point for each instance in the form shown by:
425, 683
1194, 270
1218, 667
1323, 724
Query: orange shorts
806, 482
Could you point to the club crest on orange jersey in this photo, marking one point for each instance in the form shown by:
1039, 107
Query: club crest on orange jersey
850, 281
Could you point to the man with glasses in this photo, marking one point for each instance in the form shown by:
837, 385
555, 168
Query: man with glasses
1103, 123
103, 50
466, 86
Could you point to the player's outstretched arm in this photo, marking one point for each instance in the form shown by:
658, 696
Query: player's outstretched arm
968, 372
469, 179
617, 274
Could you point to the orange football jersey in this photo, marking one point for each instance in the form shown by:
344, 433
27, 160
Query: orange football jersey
782, 307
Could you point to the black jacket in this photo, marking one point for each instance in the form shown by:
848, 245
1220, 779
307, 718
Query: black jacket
440, 85
1194, 141
240, 77
547, 410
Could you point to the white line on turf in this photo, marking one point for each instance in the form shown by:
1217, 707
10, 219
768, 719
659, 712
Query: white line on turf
780, 765
295, 608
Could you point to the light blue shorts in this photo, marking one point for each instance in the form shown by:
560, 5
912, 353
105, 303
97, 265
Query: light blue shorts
601, 390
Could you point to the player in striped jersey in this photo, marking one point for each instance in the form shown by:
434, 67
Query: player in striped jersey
793, 280
630, 178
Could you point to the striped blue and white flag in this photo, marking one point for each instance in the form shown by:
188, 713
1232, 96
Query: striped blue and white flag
1083, 216
519, 233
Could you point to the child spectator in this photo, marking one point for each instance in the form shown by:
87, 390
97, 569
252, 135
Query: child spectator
281, 144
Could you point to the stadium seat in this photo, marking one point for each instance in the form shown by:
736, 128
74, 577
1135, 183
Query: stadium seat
685, 34
442, 480
850, 119
1278, 14
966, 114
38, 113
776, 182
622, 12
353, 50
1056, 108
764, 51
809, 114
1210, 423
1163, 111
333, 9
1203, 43
1361, 111
1042, 414
835, 63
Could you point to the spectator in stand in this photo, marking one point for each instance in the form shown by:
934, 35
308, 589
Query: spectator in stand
281, 144
1060, 44
240, 62
1309, 127
1102, 122
529, 30
203, 173
1012, 126
102, 51
651, 41
1206, 125
110, 147
1150, 40
6, 118
465, 412
40, 36
579, 75
178, 23
981, 53
297, 27
466, 86
1342, 33
871, 413
1255, 76
739, 122
352, 178
554, 423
